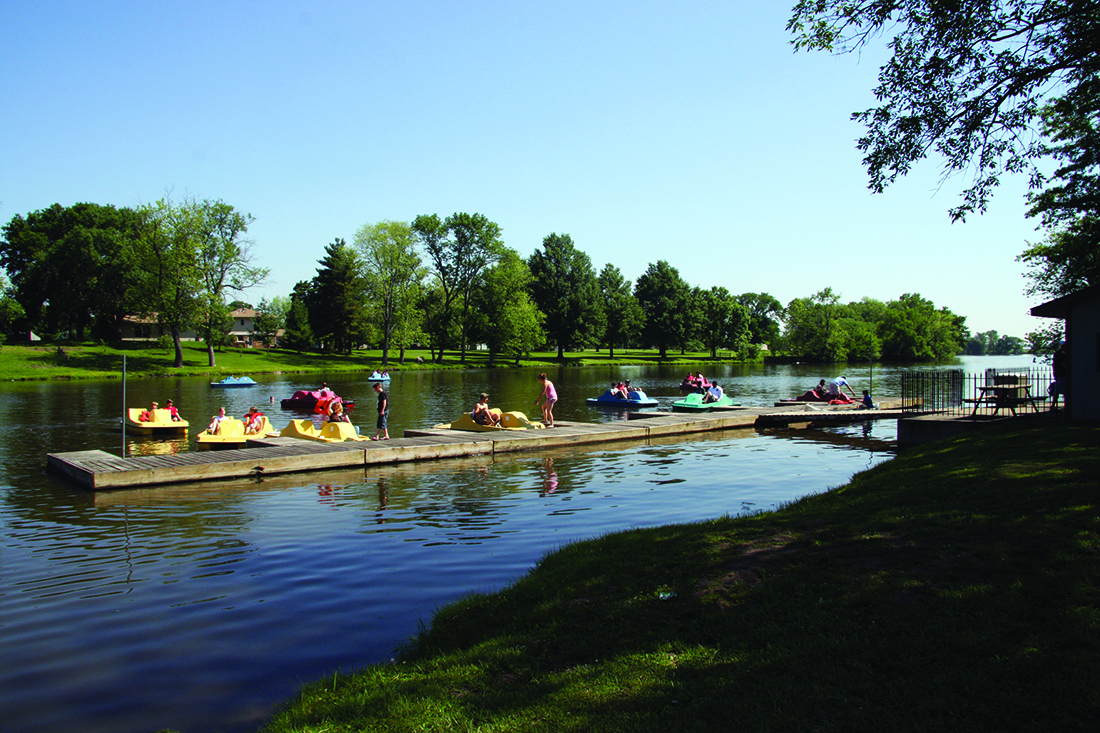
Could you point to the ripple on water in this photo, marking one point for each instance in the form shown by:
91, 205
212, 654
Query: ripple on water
192, 609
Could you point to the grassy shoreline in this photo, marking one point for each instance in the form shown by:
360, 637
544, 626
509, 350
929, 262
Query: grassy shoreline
93, 361
956, 587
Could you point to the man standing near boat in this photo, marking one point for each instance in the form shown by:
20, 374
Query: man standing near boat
836, 385
383, 431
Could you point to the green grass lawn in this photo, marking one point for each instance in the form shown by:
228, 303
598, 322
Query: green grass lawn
955, 588
91, 361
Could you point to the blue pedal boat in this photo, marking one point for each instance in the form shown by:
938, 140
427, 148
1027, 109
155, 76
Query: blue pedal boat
637, 398
235, 382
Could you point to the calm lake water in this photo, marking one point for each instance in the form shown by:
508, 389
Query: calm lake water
200, 607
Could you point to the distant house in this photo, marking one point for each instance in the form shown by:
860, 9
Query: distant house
146, 328
1081, 310
241, 326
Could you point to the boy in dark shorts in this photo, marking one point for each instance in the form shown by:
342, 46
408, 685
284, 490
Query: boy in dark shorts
383, 432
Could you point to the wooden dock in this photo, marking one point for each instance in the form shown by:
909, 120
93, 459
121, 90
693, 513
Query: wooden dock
98, 470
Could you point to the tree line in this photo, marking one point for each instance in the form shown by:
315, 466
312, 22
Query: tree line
83, 269
446, 283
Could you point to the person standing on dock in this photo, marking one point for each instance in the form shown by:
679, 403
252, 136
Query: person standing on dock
548, 397
383, 431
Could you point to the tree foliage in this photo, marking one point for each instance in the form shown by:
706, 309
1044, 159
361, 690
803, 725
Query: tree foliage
723, 322
224, 264
565, 287
765, 316
271, 317
967, 79
10, 309
166, 253
190, 254
297, 331
623, 314
337, 298
821, 328
992, 343
666, 301
1069, 257
71, 267
392, 268
476, 244
508, 321
812, 327
459, 249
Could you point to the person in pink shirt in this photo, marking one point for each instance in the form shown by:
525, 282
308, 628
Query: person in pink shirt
548, 397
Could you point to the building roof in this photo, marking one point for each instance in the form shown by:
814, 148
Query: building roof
1059, 307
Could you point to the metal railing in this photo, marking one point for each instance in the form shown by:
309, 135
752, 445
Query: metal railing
955, 393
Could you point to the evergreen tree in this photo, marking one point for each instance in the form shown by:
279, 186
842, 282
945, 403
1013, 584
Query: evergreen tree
297, 332
339, 294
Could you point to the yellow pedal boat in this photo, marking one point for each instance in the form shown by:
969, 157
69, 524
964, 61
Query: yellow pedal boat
231, 432
162, 422
330, 432
508, 421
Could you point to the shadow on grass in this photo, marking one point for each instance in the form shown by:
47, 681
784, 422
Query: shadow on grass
953, 588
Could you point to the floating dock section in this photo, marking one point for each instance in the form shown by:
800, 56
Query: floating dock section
98, 470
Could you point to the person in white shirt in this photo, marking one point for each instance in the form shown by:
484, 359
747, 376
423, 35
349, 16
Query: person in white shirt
714, 393
837, 384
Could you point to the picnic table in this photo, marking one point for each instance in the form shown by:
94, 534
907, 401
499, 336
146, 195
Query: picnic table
1004, 395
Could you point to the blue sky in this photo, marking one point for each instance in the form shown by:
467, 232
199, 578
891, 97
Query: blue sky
644, 130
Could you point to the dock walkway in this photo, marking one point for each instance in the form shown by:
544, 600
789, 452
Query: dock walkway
98, 470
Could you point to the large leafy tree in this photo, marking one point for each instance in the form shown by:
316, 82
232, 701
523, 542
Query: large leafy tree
967, 79
72, 266
1069, 257
666, 301
192, 254
224, 262
723, 322
477, 244
507, 320
814, 329
623, 315
915, 330
167, 255
765, 314
459, 248
271, 317
567, 292
393, 270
